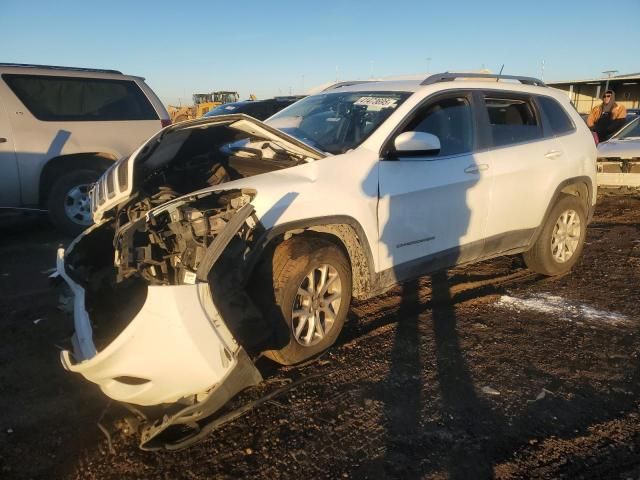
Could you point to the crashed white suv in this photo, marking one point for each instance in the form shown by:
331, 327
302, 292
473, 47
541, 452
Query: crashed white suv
225, 238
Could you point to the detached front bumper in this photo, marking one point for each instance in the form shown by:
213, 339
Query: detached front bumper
176, 349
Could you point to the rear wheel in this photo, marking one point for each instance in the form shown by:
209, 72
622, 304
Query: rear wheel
68, 201
561, 241
312, 291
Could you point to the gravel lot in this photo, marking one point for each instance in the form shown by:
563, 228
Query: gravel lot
479, 372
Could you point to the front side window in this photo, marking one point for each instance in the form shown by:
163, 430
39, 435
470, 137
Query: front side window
557, 117
337, 122
450, 120
69, 99
512, 120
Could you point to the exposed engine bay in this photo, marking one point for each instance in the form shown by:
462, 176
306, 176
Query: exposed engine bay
187, 158
191, 159
168, 247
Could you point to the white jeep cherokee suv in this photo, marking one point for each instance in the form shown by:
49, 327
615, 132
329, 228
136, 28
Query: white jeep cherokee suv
61, 128
225, 238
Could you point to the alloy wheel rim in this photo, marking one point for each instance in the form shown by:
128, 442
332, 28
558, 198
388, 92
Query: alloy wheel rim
566, 236
77, 205
316, 305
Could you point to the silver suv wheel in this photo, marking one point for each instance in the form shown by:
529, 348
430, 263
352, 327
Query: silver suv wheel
77, 205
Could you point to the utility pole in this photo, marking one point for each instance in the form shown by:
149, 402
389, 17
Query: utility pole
609, 74
542, 71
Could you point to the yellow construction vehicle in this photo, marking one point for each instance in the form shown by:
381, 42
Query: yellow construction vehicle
202, 103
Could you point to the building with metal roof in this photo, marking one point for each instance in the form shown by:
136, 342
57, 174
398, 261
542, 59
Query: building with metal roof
587, 93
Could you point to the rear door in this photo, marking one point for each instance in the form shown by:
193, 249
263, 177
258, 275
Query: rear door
525, 164
9, 178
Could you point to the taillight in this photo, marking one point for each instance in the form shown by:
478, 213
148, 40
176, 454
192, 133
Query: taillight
165, 122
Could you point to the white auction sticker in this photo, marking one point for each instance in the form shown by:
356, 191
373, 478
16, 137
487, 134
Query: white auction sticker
189, 277
381, 102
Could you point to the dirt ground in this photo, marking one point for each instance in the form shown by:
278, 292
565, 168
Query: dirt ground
486, 371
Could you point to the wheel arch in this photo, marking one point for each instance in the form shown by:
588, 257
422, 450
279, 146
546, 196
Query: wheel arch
581, 187
63, 163
343, 231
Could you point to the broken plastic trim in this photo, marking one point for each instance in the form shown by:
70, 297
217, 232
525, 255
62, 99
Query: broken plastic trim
222, 240
184, 427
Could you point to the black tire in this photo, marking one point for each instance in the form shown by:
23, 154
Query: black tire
540, 258
292, 261
57, 198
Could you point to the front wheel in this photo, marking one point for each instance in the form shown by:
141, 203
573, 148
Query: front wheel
311, 280
560, 243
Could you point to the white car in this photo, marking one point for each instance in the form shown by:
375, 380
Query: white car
61, 128
226, 238
619, 158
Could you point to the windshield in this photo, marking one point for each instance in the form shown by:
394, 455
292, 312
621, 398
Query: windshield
631, 130
337, 122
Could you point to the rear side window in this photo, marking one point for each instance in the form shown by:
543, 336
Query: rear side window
512, 120
557, 117
74, 99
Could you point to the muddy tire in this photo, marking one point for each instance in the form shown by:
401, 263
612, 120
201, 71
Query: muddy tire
560, 243
67, 202
311, 280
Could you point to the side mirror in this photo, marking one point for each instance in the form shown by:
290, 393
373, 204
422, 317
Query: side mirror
416, 143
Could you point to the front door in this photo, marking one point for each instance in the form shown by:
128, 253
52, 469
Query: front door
433, 208
9, 178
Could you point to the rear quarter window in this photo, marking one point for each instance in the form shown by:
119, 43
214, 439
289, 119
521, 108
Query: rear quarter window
76, 99
558, 119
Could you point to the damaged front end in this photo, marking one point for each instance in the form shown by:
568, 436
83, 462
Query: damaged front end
162, 320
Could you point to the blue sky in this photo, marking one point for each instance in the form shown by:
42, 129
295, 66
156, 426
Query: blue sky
274, 47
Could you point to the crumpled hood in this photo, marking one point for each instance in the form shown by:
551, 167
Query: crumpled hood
118, 183
619, 148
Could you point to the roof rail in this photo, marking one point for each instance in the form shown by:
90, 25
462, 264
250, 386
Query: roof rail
346, 84
57, 67
450, 76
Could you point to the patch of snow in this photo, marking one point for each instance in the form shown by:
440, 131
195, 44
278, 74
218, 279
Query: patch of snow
565, 309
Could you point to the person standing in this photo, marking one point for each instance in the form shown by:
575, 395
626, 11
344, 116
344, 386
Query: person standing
608, 117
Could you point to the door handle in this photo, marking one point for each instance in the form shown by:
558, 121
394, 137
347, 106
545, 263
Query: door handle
551, 154
3, 140
476, 168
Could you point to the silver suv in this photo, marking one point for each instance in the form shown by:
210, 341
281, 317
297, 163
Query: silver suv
61, 127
